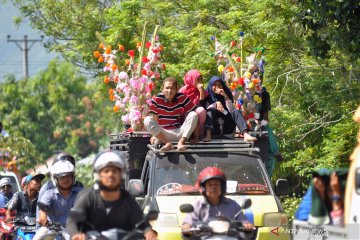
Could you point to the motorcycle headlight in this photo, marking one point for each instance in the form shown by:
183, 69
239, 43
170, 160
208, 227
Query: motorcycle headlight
166, 220
30, 220
219, 226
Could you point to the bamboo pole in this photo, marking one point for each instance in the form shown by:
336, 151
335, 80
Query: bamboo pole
143, 39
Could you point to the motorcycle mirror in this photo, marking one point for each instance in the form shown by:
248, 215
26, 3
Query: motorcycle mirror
43, 207
152, 215
186, 208
77, 215
135, 187
246, 203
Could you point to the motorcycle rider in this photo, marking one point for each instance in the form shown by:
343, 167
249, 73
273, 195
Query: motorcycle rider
5, 191
107, 205
24, 202
59, 200
63, 156
212, 183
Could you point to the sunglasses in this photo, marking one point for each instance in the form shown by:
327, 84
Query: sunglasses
8, 186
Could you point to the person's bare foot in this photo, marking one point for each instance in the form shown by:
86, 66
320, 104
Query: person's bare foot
153, 140
249, 138
207, 137
167, 147
181, 145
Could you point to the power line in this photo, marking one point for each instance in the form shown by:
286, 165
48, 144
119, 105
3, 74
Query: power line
25, 48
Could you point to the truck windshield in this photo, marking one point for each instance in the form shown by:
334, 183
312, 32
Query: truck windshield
176, 174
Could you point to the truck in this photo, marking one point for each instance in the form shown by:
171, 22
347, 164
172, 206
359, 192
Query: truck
168, 180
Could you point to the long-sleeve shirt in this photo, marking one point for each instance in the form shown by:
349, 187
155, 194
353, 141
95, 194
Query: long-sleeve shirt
123, 213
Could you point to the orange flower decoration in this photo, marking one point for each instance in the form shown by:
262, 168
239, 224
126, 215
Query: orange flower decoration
116, 78
100, 59
111, 91
127, 61
161, 47
256, 81
233, 86
97, 54
114, 67
112, 98
108, 50
106, 80
101, 45
230, 69
121, 48
138, 44
116, 108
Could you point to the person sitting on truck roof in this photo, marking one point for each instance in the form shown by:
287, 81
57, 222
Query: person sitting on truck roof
172, 117
219, 120
212, 182
194, 89
5, 191
24, 202
107, 205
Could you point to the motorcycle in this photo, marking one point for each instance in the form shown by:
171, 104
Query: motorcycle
218, 228
53, 230
25, 226
114, 233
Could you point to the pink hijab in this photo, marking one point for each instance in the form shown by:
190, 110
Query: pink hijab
189, 89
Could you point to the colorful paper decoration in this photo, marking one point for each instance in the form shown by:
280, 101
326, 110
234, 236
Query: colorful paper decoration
244, 78
131, 82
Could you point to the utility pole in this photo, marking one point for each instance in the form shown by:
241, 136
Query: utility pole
25, 48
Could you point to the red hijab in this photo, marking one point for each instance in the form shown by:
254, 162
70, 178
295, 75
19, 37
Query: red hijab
189, 89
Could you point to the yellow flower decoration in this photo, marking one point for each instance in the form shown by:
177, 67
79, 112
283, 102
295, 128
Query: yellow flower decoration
257, 99
247, 74
221, 68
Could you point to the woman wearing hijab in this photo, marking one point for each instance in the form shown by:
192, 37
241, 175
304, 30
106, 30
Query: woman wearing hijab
220, 120
194, 89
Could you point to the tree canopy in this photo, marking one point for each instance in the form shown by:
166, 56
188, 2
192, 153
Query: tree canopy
311, 71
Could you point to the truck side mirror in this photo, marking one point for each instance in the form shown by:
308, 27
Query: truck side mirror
357, 180
282, 187
186, 208
136, 187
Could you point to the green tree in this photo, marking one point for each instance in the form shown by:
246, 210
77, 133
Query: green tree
312, 98
56, 110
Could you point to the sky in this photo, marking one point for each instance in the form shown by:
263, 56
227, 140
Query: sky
11, 56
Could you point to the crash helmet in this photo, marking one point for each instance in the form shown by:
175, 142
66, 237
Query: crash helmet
211, 173
60, 169
109, 158
64, 156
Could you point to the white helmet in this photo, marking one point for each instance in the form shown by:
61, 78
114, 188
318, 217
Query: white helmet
5, 181
109, 158
60, 169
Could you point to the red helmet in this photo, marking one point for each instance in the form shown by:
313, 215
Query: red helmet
211, 173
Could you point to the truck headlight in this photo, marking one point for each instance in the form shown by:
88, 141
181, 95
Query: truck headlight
166, 220
275, 220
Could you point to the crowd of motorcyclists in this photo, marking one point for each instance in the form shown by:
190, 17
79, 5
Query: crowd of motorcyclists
106, 204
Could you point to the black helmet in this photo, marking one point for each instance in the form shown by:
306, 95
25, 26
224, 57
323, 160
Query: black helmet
64, 156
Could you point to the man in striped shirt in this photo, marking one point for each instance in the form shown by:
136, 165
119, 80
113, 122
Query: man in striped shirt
172, 117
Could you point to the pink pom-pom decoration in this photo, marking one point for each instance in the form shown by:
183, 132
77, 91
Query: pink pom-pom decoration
123, 75
134, 115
